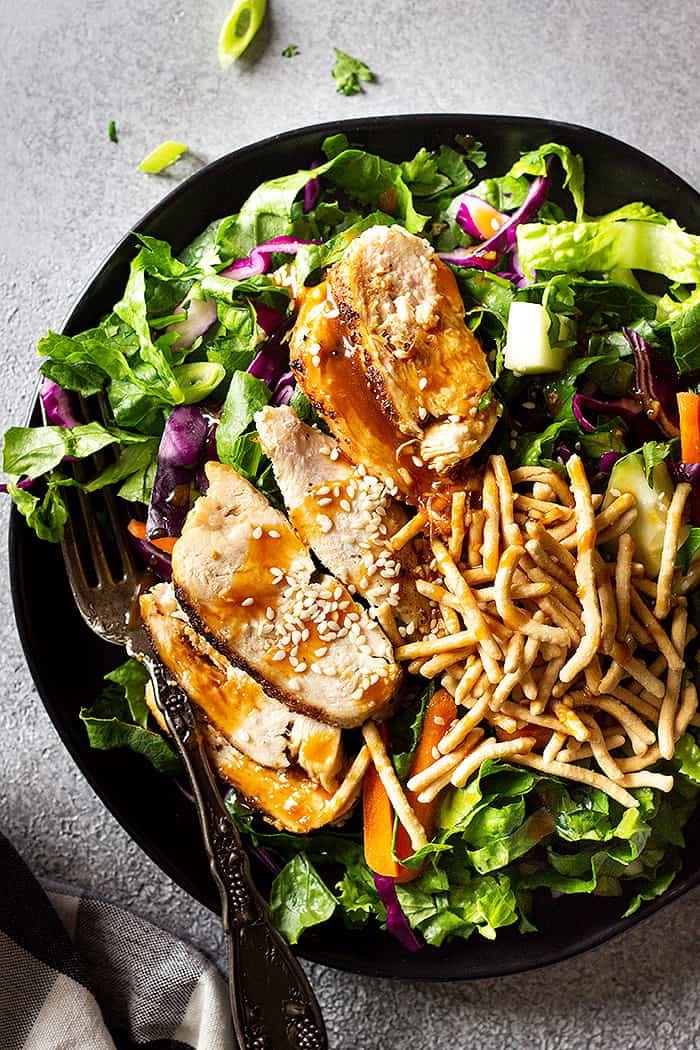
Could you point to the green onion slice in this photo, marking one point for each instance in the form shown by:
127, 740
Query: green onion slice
162, 157
239, 29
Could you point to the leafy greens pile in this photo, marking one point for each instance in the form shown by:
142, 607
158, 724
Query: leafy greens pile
204, 331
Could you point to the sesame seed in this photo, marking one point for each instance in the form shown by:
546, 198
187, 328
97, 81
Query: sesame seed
422, 383
315, 360
301, 667
324, 501
270, 613
335, 454
528, 404
324, 450
323, 490
279, 655
247, 601
346, 505
324, 523
357, 695
422, 412
321, 651
417, 461
257, 532
435, 753
273, 534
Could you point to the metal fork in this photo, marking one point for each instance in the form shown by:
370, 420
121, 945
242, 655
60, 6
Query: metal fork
272, 1004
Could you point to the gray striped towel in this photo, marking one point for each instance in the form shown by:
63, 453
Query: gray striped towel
80, 974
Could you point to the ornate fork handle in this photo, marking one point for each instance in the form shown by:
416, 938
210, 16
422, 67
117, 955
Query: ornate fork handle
272, 1003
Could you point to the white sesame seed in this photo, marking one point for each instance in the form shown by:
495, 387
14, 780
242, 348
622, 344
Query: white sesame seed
323, 490
270, 613
257, 532
301, 667
346, 505
321, 651
422, 383
315, 360
417, 461
248, 601
279, 655
273, 534
324, 450
324, 523
528, 404
325, 501
422, 412
335, 454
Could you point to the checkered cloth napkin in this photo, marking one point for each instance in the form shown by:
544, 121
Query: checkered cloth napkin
79, 974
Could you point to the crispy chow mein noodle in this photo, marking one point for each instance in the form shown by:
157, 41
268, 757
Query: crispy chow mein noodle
561, 652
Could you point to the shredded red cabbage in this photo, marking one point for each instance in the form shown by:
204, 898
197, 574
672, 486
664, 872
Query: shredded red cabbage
396, 921
259, 259
25, 483
58, 405
210, 452
689, 472
312, 191
282, 394
655, 384
201, 315
272, 360
469, 218
468, 257
608, 460
179, 454
268, 318
504, 238
154, 558
623, 406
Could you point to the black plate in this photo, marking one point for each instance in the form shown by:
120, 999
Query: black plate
151, 807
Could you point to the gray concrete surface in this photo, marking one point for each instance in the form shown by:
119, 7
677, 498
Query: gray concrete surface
66, 194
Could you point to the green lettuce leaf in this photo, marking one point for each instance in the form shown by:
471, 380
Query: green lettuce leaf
600, 245
33, 451
133, 677
47, 515
535, 163
363, 176
246, 396
110, 724
299, 898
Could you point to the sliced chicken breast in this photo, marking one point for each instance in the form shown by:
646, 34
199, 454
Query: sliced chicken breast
235, 704
382, 349
248, 584
320, 485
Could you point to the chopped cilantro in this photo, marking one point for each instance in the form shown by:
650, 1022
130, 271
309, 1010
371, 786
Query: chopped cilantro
112, 131
290, 51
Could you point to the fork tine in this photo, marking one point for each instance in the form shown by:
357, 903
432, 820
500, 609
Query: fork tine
118, 530
99, 558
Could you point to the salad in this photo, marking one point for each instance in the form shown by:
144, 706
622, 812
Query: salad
413, 450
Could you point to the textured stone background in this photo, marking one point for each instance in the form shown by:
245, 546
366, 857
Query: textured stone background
67, 194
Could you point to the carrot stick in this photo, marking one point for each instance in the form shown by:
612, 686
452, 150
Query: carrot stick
138, 529
378, 813
689, 412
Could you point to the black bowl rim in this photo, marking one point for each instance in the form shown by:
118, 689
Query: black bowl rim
324, 956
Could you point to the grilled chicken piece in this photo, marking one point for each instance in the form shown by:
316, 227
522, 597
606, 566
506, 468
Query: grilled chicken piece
320, 485
286, 798
381, 348
244, 579
257, 725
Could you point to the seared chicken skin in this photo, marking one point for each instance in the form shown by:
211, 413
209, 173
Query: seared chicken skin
256, 724
381, 348
318, 483
248, 584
